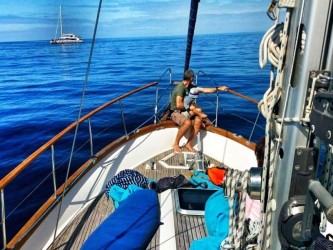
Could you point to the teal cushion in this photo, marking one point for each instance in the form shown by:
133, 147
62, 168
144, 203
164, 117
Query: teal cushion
217, 215
217, 223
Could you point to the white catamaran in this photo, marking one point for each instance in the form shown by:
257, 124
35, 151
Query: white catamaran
295, 185
64, 38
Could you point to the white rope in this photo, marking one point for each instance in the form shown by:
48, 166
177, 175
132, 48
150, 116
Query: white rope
271, 97
269, 100
229, 242
230, 192
236, 220
270, 46
241, 217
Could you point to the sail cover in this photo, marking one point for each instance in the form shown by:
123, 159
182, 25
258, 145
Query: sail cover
190, 33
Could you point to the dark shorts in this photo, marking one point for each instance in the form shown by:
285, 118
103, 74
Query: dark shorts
178, 117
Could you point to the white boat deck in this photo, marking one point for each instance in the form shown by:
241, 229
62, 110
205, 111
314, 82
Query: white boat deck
187, 228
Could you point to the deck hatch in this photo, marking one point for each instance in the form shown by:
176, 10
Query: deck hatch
191, 201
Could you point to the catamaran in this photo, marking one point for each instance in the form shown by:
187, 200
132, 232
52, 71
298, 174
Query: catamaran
64, 38
294, 186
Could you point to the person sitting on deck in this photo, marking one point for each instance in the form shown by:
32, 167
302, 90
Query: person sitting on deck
190, 101
179, 112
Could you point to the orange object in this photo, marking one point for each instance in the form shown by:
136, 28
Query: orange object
216, 175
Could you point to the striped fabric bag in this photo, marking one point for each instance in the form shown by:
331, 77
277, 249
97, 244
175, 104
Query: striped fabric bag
125, 178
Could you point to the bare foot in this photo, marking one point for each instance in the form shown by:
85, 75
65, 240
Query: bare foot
177, 148
190, 148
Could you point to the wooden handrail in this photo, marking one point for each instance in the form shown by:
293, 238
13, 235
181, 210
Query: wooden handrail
243, 96
228, 90
19, 168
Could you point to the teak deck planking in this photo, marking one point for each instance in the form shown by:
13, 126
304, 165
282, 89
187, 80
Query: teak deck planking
187, 228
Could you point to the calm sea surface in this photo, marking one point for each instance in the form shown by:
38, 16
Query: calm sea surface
41, 88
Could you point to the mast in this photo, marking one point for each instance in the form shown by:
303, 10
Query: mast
60, 18
190, 33
298, 129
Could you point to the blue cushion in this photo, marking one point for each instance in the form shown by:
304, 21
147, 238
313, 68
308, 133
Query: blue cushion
131, 226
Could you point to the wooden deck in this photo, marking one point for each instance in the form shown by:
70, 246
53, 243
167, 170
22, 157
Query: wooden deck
188, 228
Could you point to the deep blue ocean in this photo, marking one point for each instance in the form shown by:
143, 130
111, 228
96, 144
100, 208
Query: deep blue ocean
41, 88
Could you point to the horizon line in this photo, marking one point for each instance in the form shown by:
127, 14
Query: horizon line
139, 37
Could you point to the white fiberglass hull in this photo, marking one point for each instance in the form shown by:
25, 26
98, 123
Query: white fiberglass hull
128, 155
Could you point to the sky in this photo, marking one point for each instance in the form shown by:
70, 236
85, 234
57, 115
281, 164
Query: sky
25, 20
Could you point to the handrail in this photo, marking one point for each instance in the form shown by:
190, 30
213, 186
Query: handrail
203, 73
243, 96
167, 70
217, 93
228, 90
156, 95
19, 168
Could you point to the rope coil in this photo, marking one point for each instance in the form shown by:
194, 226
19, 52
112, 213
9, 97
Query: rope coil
236, 216
270, 46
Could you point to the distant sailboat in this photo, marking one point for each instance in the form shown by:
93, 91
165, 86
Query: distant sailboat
65, 38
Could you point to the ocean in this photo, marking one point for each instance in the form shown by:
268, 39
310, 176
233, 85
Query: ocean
41, 88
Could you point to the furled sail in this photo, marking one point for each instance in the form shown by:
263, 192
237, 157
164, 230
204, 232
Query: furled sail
190, 33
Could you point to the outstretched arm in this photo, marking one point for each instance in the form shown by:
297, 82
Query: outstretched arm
212, 90
223, 88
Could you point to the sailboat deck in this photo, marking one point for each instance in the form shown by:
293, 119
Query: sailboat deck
187, 228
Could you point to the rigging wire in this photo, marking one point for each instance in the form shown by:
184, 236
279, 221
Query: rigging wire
78, 118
